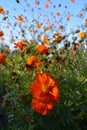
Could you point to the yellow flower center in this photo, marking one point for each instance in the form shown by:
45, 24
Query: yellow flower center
45, 89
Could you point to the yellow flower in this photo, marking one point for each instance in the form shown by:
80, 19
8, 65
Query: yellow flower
82, 35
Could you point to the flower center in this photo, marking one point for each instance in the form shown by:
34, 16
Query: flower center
45, 89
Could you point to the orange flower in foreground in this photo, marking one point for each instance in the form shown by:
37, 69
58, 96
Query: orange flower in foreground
32, 62
21, 45
82, 35
42, 49
2, 58
1, 33
1, 10
42, 106
45, 93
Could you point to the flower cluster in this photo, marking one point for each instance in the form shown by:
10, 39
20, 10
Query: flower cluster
43, 84
45, 93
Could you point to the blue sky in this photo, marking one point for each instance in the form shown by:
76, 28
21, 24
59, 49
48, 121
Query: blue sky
17, 9
24, 8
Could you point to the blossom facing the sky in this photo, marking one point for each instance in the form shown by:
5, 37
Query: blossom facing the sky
45, 93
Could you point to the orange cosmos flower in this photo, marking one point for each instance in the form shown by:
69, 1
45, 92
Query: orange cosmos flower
1, 10
32, 62
1, 33
45, 93
57, 13
45, 37
20, 45
20, 18
42, 106
72, 1
46, 6
38, 25
2, 58
80, 14
42, 49
86, 22
46, 40
82, 35
60, 27
69, 17
48, 28
57, 37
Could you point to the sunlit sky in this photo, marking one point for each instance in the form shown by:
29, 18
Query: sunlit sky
24, 8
